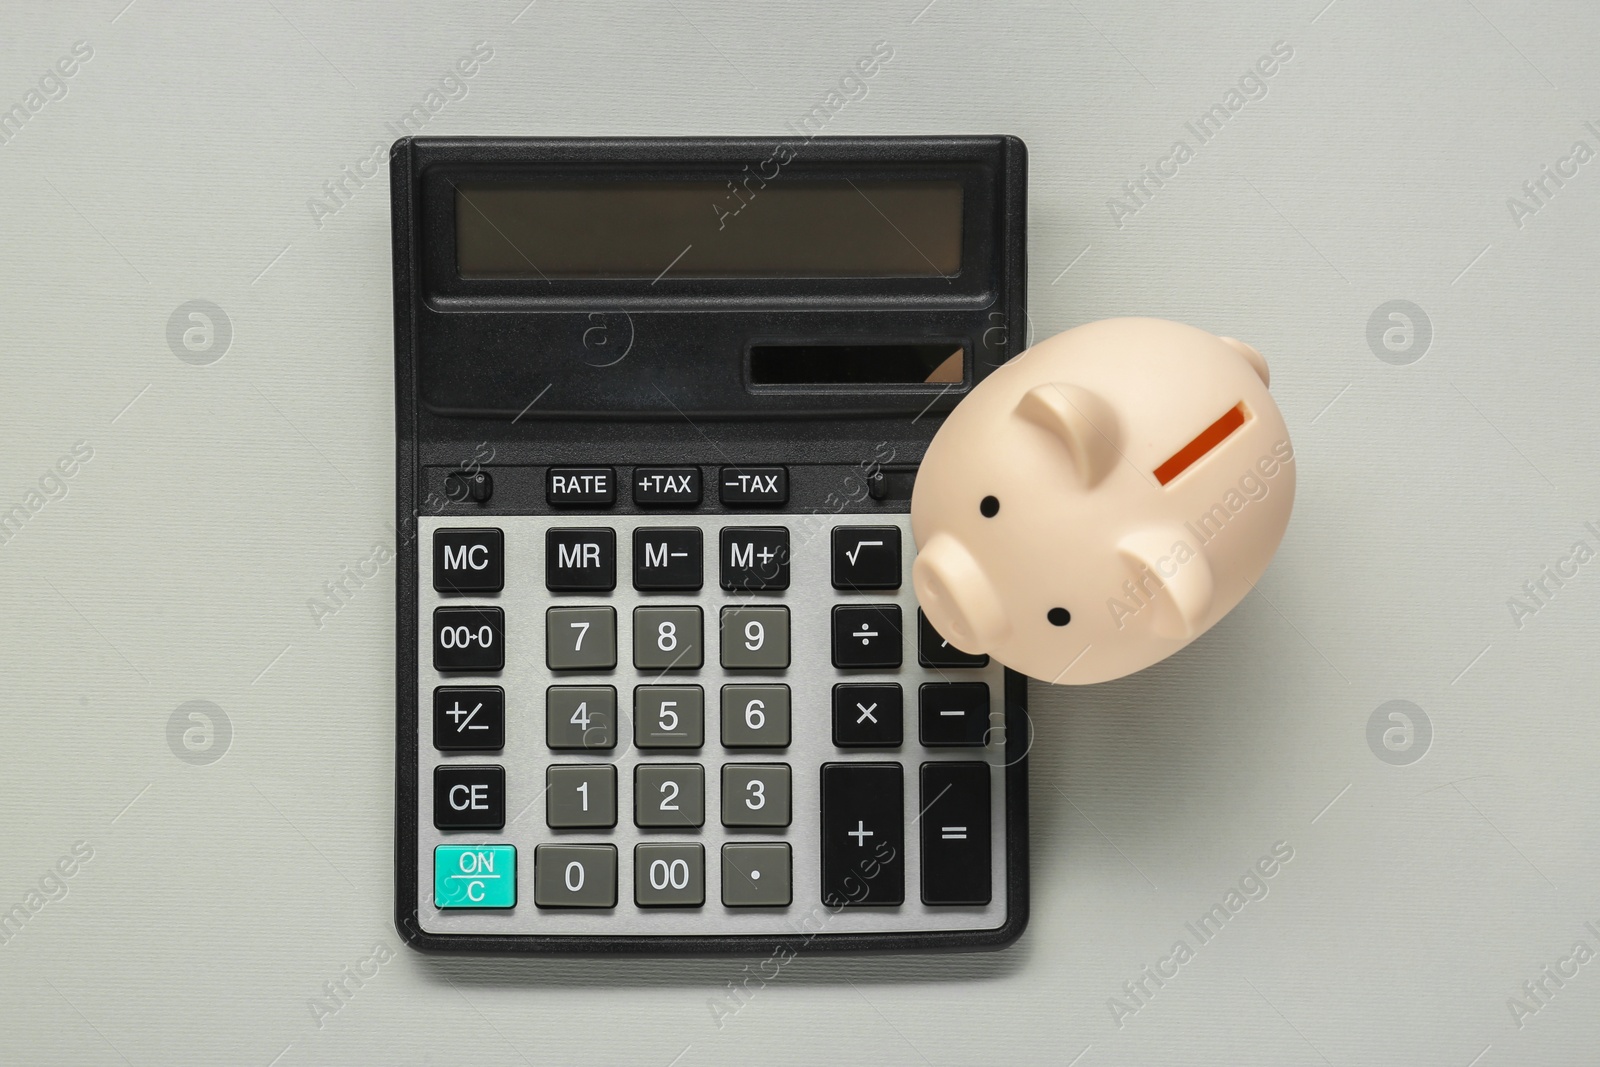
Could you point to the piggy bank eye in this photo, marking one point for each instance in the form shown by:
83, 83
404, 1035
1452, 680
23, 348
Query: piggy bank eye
989, 506
1058, 616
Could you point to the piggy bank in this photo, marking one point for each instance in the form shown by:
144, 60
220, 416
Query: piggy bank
1102, 500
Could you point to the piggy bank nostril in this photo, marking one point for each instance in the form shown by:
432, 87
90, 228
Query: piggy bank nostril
989, 507
1058, 616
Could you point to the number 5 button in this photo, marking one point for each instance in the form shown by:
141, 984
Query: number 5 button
755, 794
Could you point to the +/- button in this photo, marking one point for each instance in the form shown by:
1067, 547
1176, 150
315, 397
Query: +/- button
666, 486
580, 486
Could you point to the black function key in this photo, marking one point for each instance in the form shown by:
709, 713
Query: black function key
666, 486
866, 636
953, 713
667, 559
955, 833
469, 561
754, 557
469, 717
580, 487
867, 716
863, 834
580, 561
935, 651
866, 557
469, 798
469, 639
745, 487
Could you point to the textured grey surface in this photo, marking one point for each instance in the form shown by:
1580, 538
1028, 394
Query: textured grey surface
221, 897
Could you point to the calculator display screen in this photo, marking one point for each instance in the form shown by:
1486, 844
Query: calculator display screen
709, 229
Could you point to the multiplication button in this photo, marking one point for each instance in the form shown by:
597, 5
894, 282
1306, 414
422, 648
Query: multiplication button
868, 715
666, 486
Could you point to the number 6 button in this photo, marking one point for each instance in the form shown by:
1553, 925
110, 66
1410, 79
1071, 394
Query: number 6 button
755, 794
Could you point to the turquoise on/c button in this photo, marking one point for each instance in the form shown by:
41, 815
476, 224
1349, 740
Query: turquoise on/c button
475, 876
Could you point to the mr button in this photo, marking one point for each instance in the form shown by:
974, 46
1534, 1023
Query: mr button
580, 561
469, 798
469, 561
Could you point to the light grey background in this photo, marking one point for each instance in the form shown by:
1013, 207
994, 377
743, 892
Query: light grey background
220, 498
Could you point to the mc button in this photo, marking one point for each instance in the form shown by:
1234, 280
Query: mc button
469, 561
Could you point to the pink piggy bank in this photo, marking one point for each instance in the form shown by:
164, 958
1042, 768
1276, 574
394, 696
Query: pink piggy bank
1102, 500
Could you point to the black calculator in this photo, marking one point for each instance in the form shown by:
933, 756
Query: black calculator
663, 683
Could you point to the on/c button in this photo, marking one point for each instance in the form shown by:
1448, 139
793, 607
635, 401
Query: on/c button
475, 876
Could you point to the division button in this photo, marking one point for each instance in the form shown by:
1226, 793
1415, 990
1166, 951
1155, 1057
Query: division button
669, 875
866, 636
580, 487
575, 876
469, 639
868, 715
754, 557
469, 717
953, 713
935, 651
469, 561
756, 875
866, 557
469, 798
667, 559
863, 834
580, 560
743, 487
475, 876
955, 833
666, 486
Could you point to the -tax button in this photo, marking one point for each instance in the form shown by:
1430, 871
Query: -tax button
753, 486
475, 876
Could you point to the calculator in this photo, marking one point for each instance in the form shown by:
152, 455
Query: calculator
663, 682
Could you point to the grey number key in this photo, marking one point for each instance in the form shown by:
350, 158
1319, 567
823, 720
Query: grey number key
671, 795
580, 716
755, 716
575, 876
755, 794
582, 794
755, 637
667, 639
580, 639
669, 876
756, 876
669, 716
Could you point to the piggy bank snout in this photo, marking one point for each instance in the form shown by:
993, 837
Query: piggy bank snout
958, 596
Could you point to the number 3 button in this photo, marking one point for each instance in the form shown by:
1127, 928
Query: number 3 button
755, 794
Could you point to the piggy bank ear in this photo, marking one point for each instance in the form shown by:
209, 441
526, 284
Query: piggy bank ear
1254, 358
958, 597
1082, 421
1184, 599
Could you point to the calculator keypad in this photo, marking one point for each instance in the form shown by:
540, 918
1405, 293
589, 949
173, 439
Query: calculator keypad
699, 724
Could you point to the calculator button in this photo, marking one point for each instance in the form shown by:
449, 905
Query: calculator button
580, 486
868, 716
669, 876
468, 717
755, 638
668, 639
580, 561
755, 794
580, 795
754, 557
756, 876
475, 876
863, 834
935, 651
669, 716
666, 486
953, 713
755, 716
752, 486
866, 557
866, 636
580, 639
669, 795
955, 833
580, 716
469, 639
469, 561
667, 559
575, 876
469, 798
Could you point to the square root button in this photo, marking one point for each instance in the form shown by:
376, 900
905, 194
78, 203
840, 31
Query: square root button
475, 876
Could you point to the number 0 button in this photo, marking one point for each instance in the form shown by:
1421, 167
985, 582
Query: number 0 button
575, 876
755, 794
